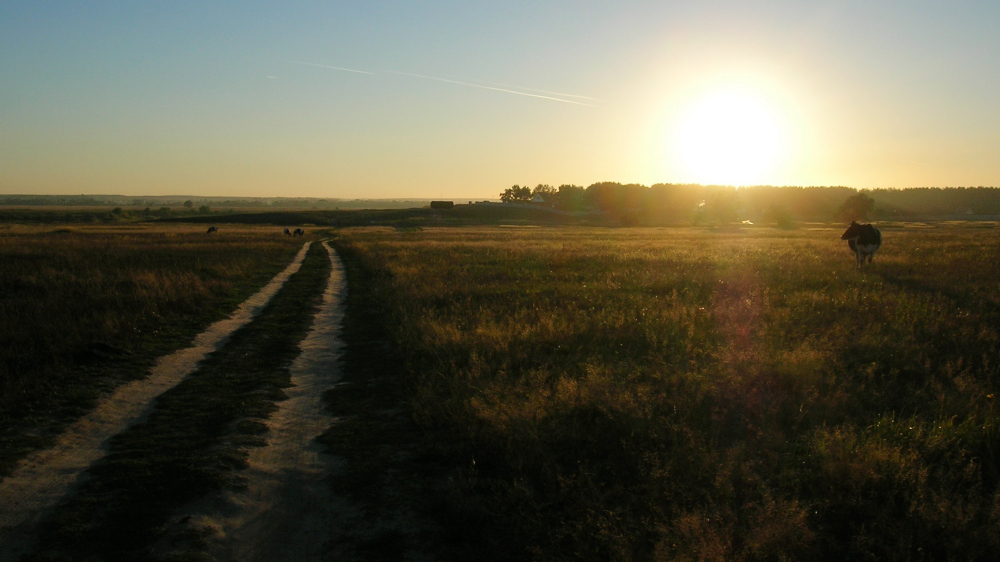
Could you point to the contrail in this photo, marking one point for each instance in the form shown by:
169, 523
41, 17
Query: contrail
333, 67
548, 92
488, 87
470, 84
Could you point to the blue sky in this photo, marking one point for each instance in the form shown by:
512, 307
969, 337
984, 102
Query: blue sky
186, 98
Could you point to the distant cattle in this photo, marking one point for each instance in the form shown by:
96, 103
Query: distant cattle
299, 232
864, 240
212, 229
288, 232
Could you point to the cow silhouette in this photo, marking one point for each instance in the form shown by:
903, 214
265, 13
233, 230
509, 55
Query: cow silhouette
864, 240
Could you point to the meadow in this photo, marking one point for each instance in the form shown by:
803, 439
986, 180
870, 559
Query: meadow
698, 393
86, 308
194, 442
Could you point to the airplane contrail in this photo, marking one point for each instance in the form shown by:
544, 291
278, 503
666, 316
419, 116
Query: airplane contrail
565, 95
333, 67
470, 84
488, 87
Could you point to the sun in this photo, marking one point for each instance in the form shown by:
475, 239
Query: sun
731, 137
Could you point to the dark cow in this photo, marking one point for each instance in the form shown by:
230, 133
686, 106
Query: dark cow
288, 232
864, 240
212, 229
299, 232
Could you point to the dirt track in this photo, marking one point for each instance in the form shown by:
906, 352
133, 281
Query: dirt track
44, 477
287, 510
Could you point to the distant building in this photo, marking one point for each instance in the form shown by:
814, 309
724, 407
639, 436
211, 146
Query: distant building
442, 204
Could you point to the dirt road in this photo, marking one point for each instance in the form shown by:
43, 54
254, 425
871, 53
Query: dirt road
44, 477
287, 510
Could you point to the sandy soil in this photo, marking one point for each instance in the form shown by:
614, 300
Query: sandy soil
287, 510
44, 477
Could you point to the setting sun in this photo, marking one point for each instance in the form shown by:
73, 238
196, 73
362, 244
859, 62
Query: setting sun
730, 137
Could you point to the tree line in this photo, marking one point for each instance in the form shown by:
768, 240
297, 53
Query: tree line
663, 202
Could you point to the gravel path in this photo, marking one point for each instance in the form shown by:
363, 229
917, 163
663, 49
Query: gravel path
44, 477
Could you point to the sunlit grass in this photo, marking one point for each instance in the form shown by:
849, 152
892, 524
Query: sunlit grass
193, 442
84, 308
699, 394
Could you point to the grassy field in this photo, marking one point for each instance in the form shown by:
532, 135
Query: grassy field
700, 394
193, 442
83, 309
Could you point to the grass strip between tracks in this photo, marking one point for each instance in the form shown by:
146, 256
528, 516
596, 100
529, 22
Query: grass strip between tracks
195, 439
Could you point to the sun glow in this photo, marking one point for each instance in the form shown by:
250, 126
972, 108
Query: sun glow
731, 137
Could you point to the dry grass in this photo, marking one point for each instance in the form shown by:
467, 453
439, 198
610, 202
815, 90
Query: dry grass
194, 441
696, 394
83, 309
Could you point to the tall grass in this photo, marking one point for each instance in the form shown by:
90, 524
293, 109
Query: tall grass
689, 394
83, 309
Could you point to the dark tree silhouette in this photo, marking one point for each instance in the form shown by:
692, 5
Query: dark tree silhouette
570, 198
724, 207
856, 208
546, 190
516, 194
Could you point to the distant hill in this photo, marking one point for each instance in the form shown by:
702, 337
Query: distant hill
220, 203
609, 203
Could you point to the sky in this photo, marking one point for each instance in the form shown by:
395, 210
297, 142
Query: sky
381, 99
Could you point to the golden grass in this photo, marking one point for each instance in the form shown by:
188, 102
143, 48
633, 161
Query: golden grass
703, 394
66, 291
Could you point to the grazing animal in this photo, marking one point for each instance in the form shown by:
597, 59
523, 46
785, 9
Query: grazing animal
288, 232
864, 240
212, 229
299, 232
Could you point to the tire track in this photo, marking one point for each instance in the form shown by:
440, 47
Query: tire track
44, 477
287, 510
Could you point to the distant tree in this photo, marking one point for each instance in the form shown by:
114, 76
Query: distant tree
780, 215
542, 189
857, 207
616, 198
147, 211
188, 204
117, 211
723, 206
570, 198
203, 209
516, 194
